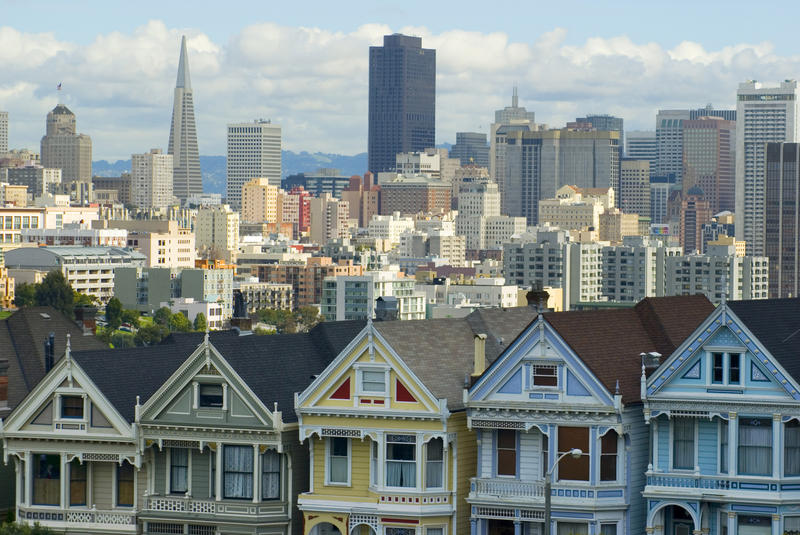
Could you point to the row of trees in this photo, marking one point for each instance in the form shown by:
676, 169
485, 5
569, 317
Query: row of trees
164, 323
288, 321
54, 291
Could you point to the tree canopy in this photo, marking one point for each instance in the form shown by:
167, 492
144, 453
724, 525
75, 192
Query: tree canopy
200, 323
114, 313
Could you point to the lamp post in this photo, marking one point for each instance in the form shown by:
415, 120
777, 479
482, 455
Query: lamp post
548, 482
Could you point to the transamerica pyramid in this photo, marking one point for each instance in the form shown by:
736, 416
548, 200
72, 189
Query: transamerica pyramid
186, 178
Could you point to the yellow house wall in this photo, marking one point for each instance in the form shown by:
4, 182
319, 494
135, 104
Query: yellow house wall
466, 467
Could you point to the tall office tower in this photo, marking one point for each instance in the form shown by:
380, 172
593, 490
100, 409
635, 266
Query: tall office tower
186, 177
669, 142
151, 179
661, 186
471, 149
695, 212
782, 238
634, 186
709, 111
402, 99
508, 116
641, 145
708, 160
606, 122
3, 132
764, 114
254, 151
63, 148
260, 202
537, 163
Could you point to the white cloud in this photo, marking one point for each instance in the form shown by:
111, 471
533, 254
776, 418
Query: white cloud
314, 82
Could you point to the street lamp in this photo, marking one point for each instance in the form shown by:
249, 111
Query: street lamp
548, 482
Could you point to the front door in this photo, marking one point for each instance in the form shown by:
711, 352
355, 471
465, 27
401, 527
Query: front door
682, 528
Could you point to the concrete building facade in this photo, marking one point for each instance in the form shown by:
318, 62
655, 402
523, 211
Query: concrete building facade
708, 160
186, 177
354, 297
151, 179
260, 202
63, 148
634, 186
254, 151
217, 229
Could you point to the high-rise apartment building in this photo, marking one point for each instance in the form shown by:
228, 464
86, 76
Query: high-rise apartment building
606, 122
634, 186
3, 132
515, 116
661, 187
254, 151
669, 142
217, 230
708, 160
411, 194
636, 269
471, 148
402, 99
695, 212
782, 238
260, 202
151, 179
709, 111
354, 297
641, 145
537, 163
329, 219
764, 114
186, 176
63, 148
363, 198
38, 179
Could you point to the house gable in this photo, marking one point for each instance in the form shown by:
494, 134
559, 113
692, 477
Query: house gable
723, 360
539, 367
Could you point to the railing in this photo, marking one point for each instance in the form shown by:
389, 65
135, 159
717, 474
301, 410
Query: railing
242, 508
72, 518
508, 488
724, 483
511, 489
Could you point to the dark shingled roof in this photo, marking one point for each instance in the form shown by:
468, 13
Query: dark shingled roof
776, 324
610, 341
22, 337
274, 367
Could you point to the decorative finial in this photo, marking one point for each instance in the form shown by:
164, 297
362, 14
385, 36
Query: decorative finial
616, 388
67, 352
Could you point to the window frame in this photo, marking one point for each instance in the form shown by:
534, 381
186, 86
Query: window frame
200, 395
62, 406
795, 423
441, 463
117, 481
328, 465
36, 469
505, 450
360, 370
604, 456
739, 446
173, 466
587, 452
264, 472
387, 460
693, 421
225, 471
723, 431
72, 480
548, 365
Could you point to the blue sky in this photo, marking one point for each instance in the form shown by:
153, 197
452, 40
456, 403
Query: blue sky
304, 64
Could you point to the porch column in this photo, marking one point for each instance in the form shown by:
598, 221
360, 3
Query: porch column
19, 474
654, 423
731, 522
256, 474
473, 526
218, 473
732, 446
776, 524
777, 450
517, 527
63, 479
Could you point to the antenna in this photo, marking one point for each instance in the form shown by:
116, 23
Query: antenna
514, 97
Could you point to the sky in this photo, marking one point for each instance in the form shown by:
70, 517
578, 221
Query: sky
304, 64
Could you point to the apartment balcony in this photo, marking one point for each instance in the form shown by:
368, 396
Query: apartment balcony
179, 507
79, 520
502, 491
721, 487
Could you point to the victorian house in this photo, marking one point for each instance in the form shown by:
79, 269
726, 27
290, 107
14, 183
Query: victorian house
724, 418
195, 436
386, 426
565, 398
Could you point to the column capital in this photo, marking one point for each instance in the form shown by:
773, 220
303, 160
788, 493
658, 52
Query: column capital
731, 514
650, 531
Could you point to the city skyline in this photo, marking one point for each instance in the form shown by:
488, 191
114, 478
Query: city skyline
317, 87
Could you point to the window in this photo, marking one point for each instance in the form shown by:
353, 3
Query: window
545, 454
608, 456
733, 368
718, 360
434, 531
400, 531
47, 479
570, 468
506, 452
373, 465
77, 483
572, 528
178, 470
212, 483
270, 475
211, 395
545, 375
723, 447
791, 449
71, 407
125, 484
401, 461
237, 472
753, 525
434, 464
683, 443
755, 446
608, 529
373, 382
791, 525
339, 460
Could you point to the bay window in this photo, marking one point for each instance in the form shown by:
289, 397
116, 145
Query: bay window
237, 472
608, 456
570, 468
125, 484
338, 461
683, 438
434, 464
755, 446
791, 449
178, 470
46, 479
270, 475
401, 461
77, 483
506, 452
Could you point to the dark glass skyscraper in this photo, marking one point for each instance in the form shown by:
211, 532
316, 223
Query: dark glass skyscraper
782, 219
402, 99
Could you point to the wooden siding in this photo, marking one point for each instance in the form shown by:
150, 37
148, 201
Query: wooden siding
663, 443
636, 452
486, 468
467, 454
103, 484
201, 473
530, 460
708, 447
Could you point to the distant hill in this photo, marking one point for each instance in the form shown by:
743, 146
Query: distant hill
213, 167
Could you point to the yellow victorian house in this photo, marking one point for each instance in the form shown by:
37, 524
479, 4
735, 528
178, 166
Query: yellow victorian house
390, 452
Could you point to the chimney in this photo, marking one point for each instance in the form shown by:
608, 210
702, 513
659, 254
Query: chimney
479, 364
3, 383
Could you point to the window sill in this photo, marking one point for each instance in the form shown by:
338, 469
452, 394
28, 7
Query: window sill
333, 484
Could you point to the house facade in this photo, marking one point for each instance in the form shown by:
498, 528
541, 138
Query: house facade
724, 418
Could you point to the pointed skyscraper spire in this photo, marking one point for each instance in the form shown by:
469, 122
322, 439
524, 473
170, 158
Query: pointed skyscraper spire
183, 68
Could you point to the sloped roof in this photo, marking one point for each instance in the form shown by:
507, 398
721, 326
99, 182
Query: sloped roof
22, 337
776, 324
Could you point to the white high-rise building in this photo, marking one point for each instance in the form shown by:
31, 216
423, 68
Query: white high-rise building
3, 132
763, 114
217, 230
642, 145
669, 142
510, 115
151, 179
254, 151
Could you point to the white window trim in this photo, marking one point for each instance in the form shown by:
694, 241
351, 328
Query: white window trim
672, 445
328, 481
444, 466
359, 368
443, 527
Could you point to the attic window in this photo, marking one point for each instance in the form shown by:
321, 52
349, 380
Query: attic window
71, 407
211, 395
545, 375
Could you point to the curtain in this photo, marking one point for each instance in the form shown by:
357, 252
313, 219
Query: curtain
753, 525
434, 464
238, 472
791, 449
125, 484
755, 446
270, 475
791, 525
77, 483
723, 447
683, 443
401, 466
337, 460
178, 469
608, 529
47, 480
572, 528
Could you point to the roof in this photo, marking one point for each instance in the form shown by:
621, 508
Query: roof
60, 109
274, 367
22, 337
610, 342
776, 325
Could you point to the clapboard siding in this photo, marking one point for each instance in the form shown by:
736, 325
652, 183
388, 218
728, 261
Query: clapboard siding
530, 458
160, 472
201, 473
636, 451
486, 469
707, 446
467, 454
103, 484
663, 443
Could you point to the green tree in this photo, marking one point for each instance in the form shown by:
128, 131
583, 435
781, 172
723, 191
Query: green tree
114, 313
24, 295
54, 291
12, 528
131, 316
121, 340
308, 317
162, 316
261, 331
150, 335
83, 300
283, 320
200, 323
180, 323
